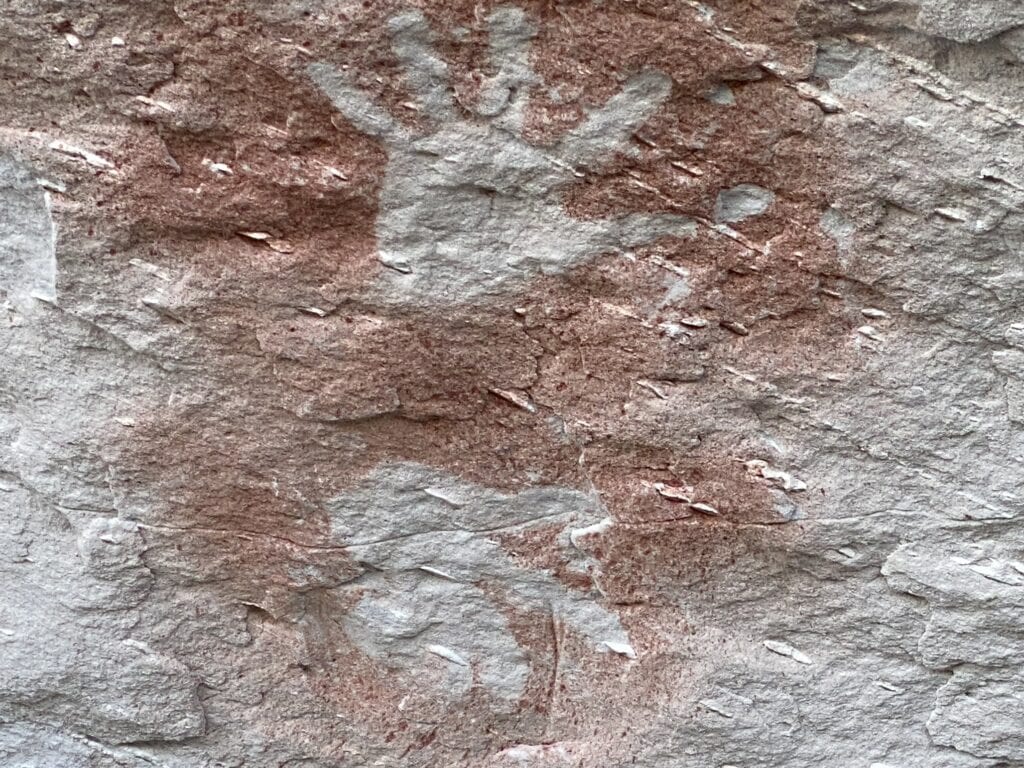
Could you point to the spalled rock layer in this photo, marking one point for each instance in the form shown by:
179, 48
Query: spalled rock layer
560, 383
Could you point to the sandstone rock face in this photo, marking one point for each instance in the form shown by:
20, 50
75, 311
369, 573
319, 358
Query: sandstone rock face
457, 383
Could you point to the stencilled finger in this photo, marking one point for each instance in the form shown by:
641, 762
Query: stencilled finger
510, 37
355, 105
636, 229
609, 127
624, 234
426, 73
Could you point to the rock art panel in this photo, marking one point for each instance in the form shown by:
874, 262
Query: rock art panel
420, 383
467, 205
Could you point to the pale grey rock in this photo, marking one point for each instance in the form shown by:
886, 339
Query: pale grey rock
839, 229
979, 715
969, 22
741, 202
74, 575
28, 261
30, 746
79, 606
722, 95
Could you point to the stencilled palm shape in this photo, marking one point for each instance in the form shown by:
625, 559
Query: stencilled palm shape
469, 208
437, 574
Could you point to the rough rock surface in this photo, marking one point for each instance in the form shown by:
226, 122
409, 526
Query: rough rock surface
440, 382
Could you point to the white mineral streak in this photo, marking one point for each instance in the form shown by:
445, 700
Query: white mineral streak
88, 156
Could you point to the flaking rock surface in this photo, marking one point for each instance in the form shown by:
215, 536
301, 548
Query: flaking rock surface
455, 383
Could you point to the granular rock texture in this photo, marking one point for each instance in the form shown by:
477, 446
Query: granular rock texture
594, 383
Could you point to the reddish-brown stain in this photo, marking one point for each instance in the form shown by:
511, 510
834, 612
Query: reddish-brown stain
278, 410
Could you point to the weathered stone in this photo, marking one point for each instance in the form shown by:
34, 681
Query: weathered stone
556, 383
